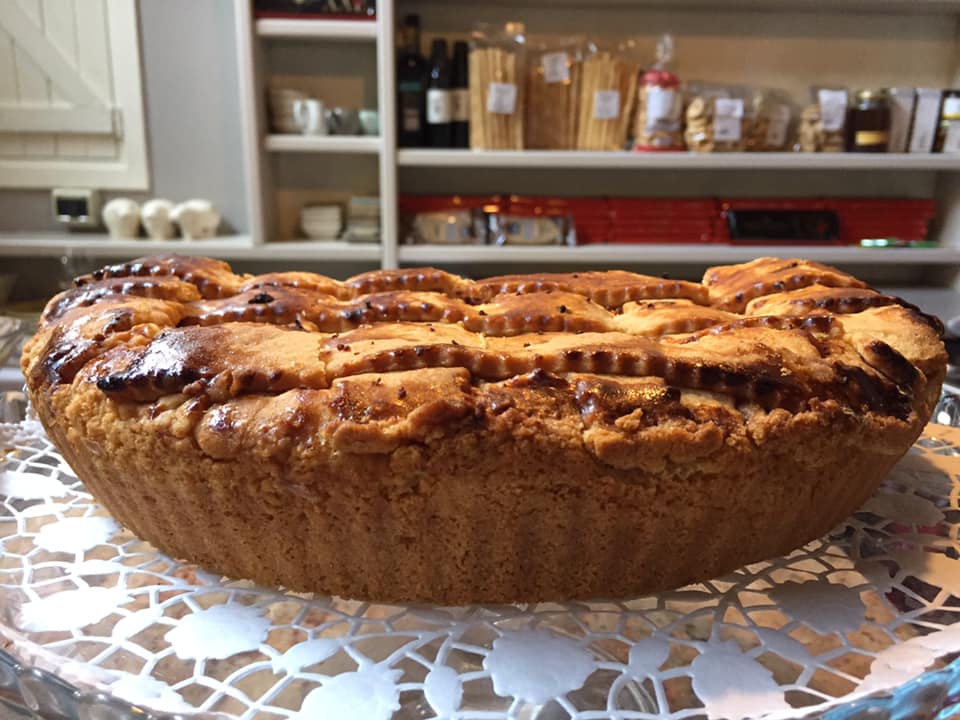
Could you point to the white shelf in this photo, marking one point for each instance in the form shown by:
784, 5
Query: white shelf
575, 159
326, 29
323, 143
102, 246
837, 6
238, 247
330, 250
673, 254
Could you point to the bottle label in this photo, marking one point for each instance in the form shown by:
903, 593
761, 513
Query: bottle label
502, 98
870, 138
951, 138
556, 67
661, 105
606, 104
439, 107
951, 108
411, 119
777, 123
833, 109
460, 100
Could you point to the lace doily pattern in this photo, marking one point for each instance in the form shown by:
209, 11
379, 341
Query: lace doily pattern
833, 629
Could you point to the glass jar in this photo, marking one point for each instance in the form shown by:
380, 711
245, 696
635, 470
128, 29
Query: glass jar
948, 131
868, 122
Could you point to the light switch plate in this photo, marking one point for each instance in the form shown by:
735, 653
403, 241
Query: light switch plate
76, 207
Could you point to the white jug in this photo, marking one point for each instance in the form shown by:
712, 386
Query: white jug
122, 218
198, 219
157, 220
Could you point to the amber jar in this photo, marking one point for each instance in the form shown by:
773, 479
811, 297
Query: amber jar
868, 122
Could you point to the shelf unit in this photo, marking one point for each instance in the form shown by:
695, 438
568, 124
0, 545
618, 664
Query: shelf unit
672, 253
236, 247
844, 42
570, 159
322, 144
260, 146
643, 174
341, 30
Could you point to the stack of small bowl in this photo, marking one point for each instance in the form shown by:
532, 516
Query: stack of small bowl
281, 109
321, 222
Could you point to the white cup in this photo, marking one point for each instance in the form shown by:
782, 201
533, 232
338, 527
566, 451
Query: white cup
309, 116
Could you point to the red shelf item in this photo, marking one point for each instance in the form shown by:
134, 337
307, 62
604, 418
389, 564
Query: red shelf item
619, 220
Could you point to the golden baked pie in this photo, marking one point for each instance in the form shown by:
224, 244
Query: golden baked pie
411, 435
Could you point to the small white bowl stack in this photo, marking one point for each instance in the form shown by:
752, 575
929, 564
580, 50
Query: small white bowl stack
281, 109
321, 222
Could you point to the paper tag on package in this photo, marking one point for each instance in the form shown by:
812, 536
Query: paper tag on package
606, 104
833, 109
779, 119
556, 67
727, 113
662, 105
502, 98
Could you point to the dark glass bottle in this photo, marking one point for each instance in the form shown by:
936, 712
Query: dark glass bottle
411, 86
460, 94
439, 100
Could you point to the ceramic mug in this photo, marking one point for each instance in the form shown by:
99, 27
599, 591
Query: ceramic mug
343, 121
310, 117
370, 121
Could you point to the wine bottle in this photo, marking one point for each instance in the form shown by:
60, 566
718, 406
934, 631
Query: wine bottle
411, 86
460, 95
439, 101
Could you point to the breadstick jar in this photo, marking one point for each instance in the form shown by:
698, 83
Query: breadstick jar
497, 87
553, 91
659, 123
608, 90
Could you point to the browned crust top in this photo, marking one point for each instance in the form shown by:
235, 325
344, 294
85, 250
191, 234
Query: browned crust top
770, 334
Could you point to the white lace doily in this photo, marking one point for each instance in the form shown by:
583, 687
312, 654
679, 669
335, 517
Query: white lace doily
871, 606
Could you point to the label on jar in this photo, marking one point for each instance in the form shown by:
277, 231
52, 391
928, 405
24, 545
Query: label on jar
833, 109
661, 105
502, 98
951, 138
727, 113
870, 138
951, 108
778, 120
606, 104
556, 67
411, 119
728, 107
460, 101
439, 107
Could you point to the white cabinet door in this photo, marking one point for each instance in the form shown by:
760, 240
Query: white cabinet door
71, 105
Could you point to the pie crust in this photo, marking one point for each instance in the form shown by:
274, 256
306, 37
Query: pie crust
411, 435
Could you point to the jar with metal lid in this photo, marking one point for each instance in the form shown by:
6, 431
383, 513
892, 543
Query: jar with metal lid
948, 131
868, 122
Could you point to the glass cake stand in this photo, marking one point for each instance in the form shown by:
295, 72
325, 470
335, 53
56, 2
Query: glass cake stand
97, 625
